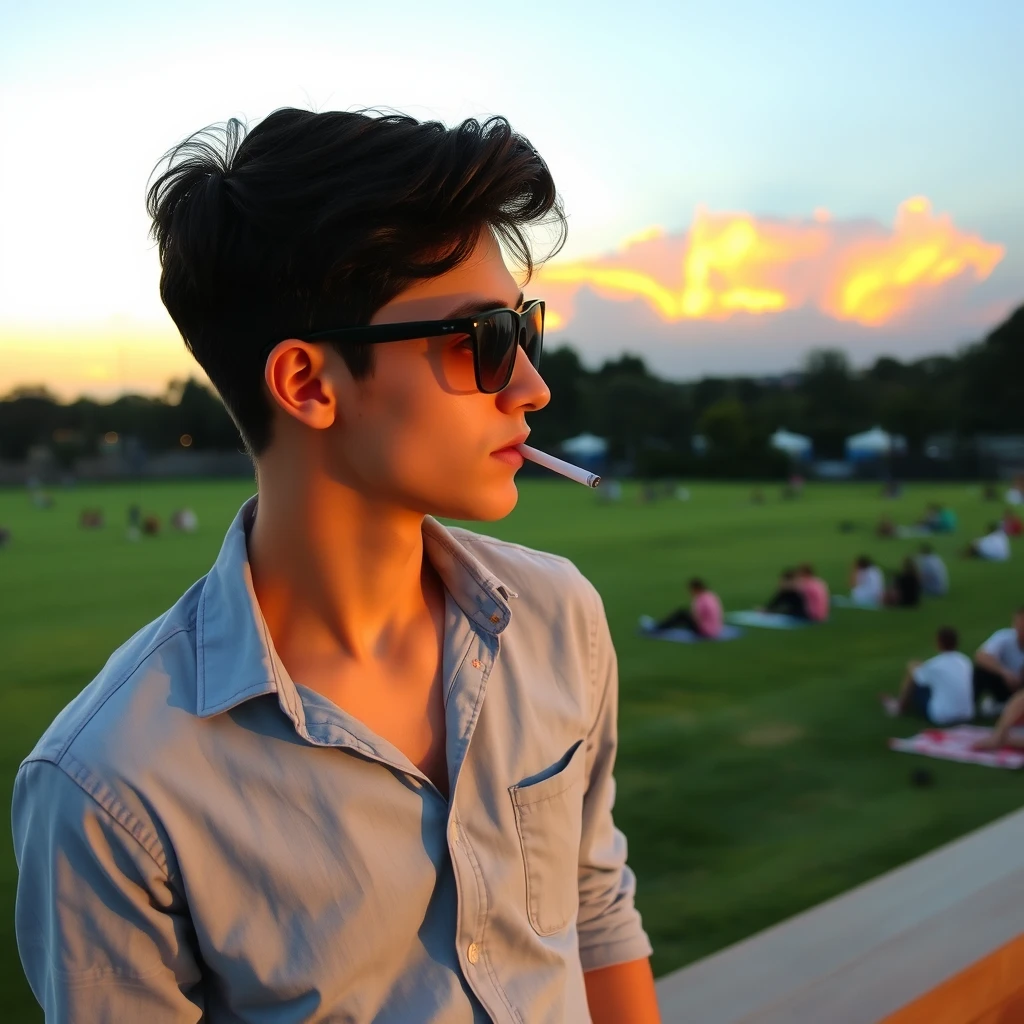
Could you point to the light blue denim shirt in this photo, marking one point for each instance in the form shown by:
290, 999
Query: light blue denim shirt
200, 837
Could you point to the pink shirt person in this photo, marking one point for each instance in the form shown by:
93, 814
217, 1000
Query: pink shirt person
707, 611
816, 594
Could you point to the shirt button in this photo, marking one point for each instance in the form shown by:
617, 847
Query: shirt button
475, 663
473, 953
495, 618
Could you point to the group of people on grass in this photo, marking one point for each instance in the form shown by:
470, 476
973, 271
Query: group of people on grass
993, 545
801, 594
949, 687
925, 575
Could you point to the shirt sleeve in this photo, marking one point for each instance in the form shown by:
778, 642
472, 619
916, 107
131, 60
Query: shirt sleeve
994, 644
102, 934
608, 924
923, 675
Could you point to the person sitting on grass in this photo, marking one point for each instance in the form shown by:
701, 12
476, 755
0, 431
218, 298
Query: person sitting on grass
933, 572
1000, 738
789, 598
999, 665
993, 547
704, 616
886, 528
946, 521
938, 689
939, 518
868, 583
905, 591
815, 591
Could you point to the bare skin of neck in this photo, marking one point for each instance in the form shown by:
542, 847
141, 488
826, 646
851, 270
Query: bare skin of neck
355, 609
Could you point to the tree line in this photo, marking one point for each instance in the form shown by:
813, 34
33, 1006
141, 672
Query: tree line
649, 422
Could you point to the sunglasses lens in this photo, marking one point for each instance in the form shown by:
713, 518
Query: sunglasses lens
496, 350
533, 333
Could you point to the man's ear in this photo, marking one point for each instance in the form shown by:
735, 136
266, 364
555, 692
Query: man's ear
299, 379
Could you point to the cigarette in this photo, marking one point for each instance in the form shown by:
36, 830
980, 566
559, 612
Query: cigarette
581, 476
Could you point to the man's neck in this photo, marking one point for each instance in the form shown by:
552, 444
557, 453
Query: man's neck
336, 576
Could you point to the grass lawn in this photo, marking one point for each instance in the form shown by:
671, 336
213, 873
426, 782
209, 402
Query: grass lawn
753, 776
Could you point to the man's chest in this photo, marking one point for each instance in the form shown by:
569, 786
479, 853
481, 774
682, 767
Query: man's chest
362, 872
406, 712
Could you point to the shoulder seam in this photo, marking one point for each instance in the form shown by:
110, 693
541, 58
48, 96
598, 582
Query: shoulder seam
104, 798
150, 650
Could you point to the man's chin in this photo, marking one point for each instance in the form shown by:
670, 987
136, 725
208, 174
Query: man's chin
486, 506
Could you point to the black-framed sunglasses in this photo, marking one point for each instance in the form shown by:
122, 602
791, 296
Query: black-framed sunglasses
496, 334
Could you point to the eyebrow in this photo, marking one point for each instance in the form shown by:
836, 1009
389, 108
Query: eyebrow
479, 306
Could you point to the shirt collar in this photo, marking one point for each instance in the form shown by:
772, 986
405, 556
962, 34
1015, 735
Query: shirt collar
235, 655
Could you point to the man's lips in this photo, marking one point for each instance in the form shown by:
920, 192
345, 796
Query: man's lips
513, 445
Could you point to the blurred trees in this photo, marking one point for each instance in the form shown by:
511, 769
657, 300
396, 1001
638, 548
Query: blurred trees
650, 422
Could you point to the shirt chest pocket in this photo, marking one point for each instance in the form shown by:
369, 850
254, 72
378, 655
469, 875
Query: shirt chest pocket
549, 818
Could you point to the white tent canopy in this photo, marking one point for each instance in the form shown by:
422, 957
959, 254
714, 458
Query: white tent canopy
875, 441
793, 444
585, 446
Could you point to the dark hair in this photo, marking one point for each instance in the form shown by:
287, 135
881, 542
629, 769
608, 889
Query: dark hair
948, 638
696, 583
863, 562
788, 574
927, 549
992, 527
807, 569
317, 220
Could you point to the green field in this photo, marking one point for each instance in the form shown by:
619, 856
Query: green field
753, 776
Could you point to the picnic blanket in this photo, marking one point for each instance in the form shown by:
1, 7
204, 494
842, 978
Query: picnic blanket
914, 531
767, 620
845, 601
687, 636
954, 744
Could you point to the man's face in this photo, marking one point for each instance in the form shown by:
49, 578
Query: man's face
417, 433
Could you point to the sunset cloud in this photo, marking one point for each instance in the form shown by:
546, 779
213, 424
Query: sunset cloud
727, 263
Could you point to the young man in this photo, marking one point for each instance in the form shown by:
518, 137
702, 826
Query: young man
999, 662
938, 689
362, 770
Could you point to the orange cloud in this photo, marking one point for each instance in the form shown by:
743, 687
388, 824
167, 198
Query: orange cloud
736, 262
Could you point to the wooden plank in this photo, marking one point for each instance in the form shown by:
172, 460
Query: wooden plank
870, 951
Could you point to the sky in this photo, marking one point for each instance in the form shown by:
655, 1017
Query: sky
744, 181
